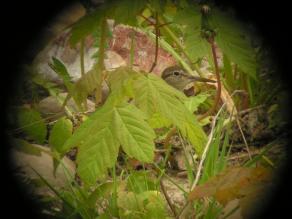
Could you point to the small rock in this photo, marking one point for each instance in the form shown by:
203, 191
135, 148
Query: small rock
42, 164
50, 106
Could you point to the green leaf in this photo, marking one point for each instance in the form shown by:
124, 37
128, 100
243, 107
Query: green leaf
61, 131
195, 45
125, 11
32, 124
86, 25
158, 121
134, 134
189, 16
153, 95
97, 153
121, 80
89, 82
100, 136
61, 70
158, 5
228, 72
234, 41
140, 181
146, 205
192, 103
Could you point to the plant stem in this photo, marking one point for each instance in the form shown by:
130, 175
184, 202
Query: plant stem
218, 93
156, 25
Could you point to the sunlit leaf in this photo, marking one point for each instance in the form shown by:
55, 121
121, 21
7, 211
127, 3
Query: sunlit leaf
158, 121
153, 95
146, 205
193, 102
122, 80
140, 181
100, 136
133, 133
61, 131
89, 82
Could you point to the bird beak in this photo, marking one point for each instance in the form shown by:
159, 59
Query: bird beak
196, 78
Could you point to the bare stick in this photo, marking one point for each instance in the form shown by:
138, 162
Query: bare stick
156, 42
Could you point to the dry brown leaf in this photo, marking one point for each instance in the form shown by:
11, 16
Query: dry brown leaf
236, 182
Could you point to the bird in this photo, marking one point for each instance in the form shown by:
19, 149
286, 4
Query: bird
178, 78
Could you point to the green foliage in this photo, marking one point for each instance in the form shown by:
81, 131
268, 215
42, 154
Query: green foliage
61, 131
61, 70
86, 25
228, 73
153, 95
157, 5
140, 181
190, 19
138, 103
216, 159
101, 134
122, 80
32, 124
195, 45
87, 84
125, 11
158, 121
233, 40
146, 205
193, 102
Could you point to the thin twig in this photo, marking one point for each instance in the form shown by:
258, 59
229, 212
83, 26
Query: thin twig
156, 42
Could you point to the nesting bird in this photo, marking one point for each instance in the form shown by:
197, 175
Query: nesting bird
178, 78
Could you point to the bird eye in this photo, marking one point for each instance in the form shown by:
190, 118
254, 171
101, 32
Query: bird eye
176, 73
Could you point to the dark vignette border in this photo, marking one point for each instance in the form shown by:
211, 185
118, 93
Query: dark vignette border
23, 23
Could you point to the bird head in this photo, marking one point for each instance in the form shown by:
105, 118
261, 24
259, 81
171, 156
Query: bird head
179, 78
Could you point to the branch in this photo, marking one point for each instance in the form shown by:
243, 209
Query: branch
156, 25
